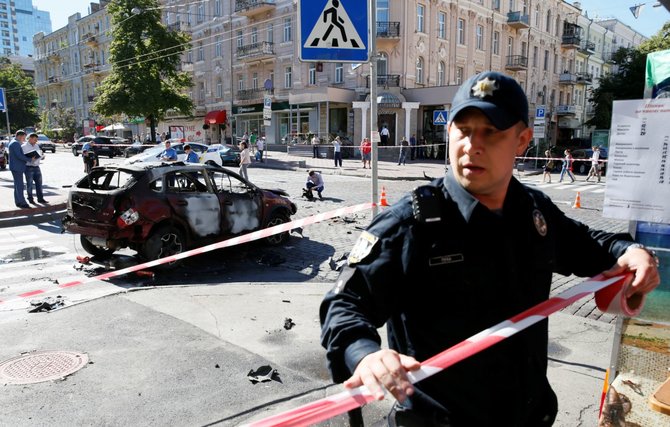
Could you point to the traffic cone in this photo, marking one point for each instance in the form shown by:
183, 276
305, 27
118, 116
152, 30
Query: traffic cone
578, 202
382, 200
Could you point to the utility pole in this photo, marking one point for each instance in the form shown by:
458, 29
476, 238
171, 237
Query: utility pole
373, 103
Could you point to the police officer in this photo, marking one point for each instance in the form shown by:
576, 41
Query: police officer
460, 255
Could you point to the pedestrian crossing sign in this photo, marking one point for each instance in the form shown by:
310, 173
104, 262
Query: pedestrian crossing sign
334, 30
440, 117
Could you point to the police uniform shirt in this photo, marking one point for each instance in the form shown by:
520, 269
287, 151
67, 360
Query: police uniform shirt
437, 284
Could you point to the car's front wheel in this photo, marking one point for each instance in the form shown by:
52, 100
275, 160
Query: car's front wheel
164, 241
277, 239
100, 252
74, 151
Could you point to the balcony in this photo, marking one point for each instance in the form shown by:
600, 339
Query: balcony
386, 80
567, 79
253, 7
587, 47
258, 50
568, 110
518, 21
91, 41
388, 30
247, 94
572, 36
585, 78
55, 80
516, 62
590, 110
175, 26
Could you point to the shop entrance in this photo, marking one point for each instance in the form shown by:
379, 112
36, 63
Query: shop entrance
387, 120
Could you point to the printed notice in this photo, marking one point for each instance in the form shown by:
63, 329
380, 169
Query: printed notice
638, 178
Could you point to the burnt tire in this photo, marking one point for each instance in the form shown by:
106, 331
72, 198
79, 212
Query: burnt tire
277, 239
97, 251
164, 241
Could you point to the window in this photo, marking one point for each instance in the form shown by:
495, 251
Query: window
254, 81
218, 47
419, 70
288, 78
420, 16
442, 25
547, 25
496, 5
461, 31
240, 39
459, 75
240, 82
254, 35
271, 34
339, 72
382, 64
217, 7
287, 30
537, 16
201, 13
201, 53
440, 73
535, 56
383, 10
546, 60
312, 73
510, 46
496, 43
219, 89
555, 63
480, 37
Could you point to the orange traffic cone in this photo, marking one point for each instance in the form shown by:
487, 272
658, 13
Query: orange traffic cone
382, 200
578, 202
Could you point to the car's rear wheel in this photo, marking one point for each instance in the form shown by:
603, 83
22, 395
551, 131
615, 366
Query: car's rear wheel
74, 151
164, 241
277, 239
100, 252
582, 168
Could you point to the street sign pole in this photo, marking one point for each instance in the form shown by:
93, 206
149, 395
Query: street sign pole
6, 108
373, 102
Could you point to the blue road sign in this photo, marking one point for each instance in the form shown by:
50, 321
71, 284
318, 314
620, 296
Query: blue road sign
440, 117
2, 99
540, 112
334, 30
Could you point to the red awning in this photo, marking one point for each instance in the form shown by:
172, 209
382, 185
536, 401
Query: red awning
215, 117
99, 128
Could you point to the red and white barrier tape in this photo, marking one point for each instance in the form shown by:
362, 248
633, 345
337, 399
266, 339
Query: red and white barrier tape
347, 400
256, 235
558, 159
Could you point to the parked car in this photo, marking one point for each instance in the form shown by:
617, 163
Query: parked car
153, 154
45, 143
584, 154
136, 147
105, 145
230, 155
162, 209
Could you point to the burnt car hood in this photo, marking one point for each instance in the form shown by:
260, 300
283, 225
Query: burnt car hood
277, 191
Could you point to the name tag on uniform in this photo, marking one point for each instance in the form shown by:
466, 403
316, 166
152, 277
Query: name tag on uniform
445, 259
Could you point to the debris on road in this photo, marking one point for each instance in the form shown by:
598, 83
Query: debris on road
286, 300
263, 374
83, 259
145, 273
337, 264
288, 323
46, 304
297, 230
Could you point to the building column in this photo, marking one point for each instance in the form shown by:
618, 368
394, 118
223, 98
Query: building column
409, 106
364, 106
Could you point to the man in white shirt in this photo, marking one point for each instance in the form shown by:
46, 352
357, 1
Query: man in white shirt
595, 164
337, 151
260, 146
33, 172
384, 135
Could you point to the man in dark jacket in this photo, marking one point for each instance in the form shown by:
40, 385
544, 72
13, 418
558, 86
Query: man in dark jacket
17, 165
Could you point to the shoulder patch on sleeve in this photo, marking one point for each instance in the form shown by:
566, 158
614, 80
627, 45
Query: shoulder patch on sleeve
362, 248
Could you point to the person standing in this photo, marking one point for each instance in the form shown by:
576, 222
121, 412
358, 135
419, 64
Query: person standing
260, 147
33, 172
567, 166
457, 256
404, 148
252, 141
595, 164
315, 147
169, 154
17, 165
89, 154
412, 144
366, 152
245, 138
191, 156
337, 151
245, 160
548, 166
384, 135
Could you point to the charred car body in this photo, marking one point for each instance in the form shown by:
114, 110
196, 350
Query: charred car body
162, 209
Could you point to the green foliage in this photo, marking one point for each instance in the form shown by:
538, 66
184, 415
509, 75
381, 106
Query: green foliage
145, 80
66, 119
21, 96
628, 81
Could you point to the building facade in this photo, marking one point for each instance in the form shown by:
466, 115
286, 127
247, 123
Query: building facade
19, 21
247, 76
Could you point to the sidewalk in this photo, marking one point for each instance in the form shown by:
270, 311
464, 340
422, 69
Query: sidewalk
419, 170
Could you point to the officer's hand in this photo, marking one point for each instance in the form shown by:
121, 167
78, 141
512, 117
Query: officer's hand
384, 368
643, 265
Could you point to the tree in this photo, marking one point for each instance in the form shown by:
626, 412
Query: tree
66, 119
145, 79
628, 81
20, 94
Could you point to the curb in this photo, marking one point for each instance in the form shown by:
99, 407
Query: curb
32, 216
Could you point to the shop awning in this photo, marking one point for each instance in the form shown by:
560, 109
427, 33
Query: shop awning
215, 117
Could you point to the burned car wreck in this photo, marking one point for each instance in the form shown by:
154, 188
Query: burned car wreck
162, 209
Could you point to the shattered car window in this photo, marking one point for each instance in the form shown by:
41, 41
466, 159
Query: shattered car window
157, 185
107, 179
186, 182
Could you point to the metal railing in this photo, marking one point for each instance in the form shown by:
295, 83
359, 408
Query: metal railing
255, 93
517, 61
242, 5
518, 18
388, 29
256, 49
386, 80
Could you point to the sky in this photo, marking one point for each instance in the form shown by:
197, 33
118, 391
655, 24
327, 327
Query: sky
651, 18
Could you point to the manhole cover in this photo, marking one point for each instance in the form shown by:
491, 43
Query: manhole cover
41, 366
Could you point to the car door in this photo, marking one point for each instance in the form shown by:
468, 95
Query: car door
241, 204
190, 197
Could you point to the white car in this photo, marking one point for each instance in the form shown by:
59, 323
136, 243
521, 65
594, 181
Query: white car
153, 154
